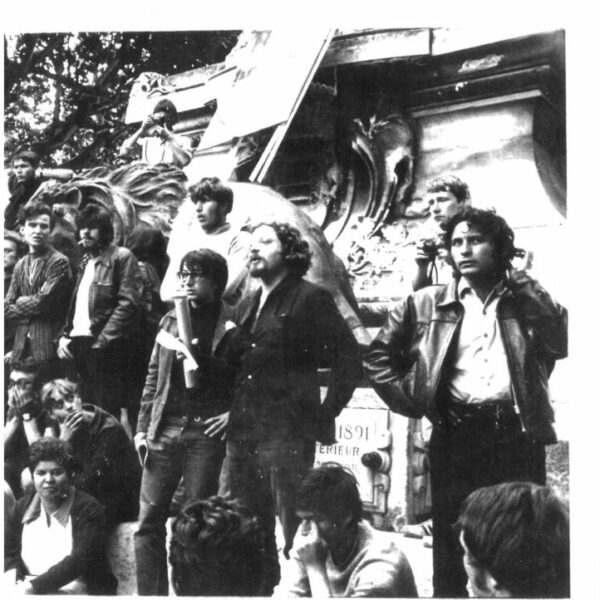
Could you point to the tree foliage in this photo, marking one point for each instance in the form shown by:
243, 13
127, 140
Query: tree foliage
66, 94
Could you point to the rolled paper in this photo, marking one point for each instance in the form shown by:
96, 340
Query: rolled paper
184, 324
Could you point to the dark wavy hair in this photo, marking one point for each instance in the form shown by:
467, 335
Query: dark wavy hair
487, 222
149, 244
217, 549
295, 249
212, 188
452, 184
330, 490
94, 216
167, 107
519, 532
35, 208
211, 263
47, 448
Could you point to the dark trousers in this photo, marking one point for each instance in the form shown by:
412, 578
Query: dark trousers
179, 451
481, 450
108, 375
265, 477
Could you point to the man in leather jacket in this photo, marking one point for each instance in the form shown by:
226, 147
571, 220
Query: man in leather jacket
474, 357
101, 338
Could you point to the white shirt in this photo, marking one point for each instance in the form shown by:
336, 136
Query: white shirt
81, 317
480, 372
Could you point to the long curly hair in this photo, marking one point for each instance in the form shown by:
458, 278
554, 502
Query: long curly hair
295, 249
217, 549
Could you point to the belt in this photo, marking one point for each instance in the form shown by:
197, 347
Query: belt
497, 412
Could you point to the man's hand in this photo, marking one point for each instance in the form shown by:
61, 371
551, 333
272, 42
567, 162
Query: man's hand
147, 124
70, 425
217, 425
7, 357
63, 351
21, 400
308, 543
425, 252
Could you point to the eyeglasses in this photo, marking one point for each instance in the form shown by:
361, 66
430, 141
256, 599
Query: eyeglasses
20, 383
193, 275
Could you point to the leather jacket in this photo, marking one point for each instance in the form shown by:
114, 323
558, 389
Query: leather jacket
406, 362
115, 298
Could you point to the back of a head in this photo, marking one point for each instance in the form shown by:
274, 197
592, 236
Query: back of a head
217, 549
519, 533
330, 490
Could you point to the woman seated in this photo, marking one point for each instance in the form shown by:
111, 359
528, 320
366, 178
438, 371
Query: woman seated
55, 537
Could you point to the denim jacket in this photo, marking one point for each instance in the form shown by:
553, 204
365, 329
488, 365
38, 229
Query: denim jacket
406, 361
115, 299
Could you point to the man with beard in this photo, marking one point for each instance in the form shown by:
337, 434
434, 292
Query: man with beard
99, 341
287, 329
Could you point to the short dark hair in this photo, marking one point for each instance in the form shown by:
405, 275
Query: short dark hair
295, 249
217, 549
519, 532
28, 155
167, 107
36, 368
212, 188
94, 216
487, 222
149, 244
35, 208
452, 184
330, 490
47, 448
211, 263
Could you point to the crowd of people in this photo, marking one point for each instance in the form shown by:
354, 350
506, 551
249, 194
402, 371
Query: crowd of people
206, 406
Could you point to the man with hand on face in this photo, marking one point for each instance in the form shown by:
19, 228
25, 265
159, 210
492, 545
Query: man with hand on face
155, 136
336, 552
287, 329
474, 357
180, 429
109, 467
39, 290
102, 331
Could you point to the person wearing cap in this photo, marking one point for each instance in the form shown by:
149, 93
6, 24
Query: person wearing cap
180, 429
158, 142
24, 180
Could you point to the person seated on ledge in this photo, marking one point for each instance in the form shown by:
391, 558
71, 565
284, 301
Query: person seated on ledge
516, 541
217, 549
155, 136
110, 471
336, 552
55, 537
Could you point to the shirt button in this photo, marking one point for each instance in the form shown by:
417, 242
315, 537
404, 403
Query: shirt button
253, 345
249, 376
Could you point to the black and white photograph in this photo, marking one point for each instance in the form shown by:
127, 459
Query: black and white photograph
288, 308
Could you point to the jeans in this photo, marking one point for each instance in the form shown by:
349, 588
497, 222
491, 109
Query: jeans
264, 477
180, 450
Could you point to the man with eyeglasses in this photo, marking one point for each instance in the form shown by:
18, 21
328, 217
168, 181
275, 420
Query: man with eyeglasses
109, 467
26, 420
180, 429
